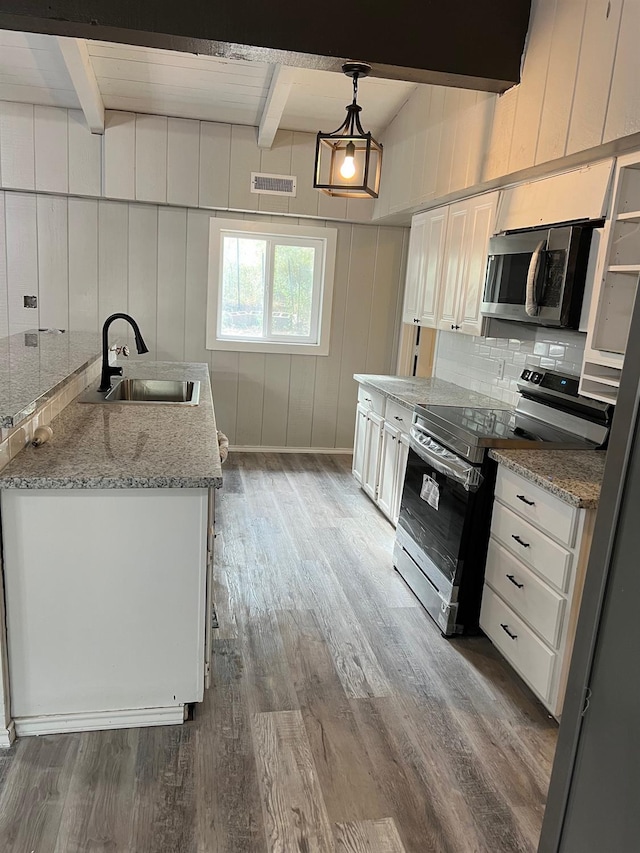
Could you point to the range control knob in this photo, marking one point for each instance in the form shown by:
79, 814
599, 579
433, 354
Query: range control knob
526, 374
536, 377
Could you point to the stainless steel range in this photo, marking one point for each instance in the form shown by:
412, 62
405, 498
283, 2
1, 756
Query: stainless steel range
447, 499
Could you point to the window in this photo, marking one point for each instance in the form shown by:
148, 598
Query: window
270, 287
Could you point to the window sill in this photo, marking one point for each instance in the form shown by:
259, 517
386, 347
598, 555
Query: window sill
273, 348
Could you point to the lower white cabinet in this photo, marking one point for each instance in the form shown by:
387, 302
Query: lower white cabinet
536, 562
380, 450
372, 446
109, 605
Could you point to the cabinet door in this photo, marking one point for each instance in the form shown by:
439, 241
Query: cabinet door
454, 270
401, 467
359, 443
388, 467
433, 256
373, 443
480, 224
413, 281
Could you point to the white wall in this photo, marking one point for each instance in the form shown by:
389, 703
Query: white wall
85, 258
580, 89
93, 225
162, 160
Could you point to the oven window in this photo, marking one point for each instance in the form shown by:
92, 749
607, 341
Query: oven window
439, 533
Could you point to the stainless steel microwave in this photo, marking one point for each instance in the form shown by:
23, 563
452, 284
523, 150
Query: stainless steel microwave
538, 276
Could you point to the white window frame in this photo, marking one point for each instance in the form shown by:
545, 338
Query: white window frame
325, 238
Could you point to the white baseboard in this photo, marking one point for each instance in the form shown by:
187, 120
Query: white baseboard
91, 721
7, 736
257, 449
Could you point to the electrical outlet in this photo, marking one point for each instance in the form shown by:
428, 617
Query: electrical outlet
30, 301
500, 368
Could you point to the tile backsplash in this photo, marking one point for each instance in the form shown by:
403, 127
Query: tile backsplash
493, 364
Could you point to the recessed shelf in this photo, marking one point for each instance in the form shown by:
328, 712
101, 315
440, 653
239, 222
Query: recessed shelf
597, 391
631, 216
633, 269
613, 383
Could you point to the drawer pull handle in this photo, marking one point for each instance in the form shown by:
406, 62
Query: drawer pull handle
397, 418
525, 501
515, 582
505, 628
519, 541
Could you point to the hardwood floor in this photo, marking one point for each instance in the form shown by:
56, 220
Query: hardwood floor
339, 718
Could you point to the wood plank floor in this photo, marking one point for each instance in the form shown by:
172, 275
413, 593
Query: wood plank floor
339, 718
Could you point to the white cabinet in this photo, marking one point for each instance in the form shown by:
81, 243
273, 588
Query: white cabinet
615, 286
381, 447
359, 443
401, 467
536, 563
114, 636
471, 223
372, 444
388, 465
446, 265
424, 267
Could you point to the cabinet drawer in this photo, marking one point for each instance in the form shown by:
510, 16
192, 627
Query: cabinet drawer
373, 401
541, 508
523, 591
398, 416
531, 546
517, 642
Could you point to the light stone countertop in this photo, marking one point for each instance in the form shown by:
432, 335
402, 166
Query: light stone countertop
124, 446
411, 391
34, 365
574, 476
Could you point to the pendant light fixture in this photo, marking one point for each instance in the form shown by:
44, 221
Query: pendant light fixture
348, 161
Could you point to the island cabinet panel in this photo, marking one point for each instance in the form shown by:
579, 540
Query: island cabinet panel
106, 592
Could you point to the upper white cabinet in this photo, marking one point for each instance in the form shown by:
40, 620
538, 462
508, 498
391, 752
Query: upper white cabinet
447, 263
424, 267
578, 194
615, 286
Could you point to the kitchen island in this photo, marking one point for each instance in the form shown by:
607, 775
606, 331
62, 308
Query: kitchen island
108, 552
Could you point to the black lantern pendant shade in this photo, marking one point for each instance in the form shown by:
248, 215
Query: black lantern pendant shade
348, 161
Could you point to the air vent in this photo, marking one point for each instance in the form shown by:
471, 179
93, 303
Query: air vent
273, 184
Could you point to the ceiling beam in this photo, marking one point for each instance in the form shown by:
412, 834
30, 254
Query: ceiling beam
76, 58
472, 44
281, 83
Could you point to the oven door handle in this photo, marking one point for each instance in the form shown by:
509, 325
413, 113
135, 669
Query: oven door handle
444, 461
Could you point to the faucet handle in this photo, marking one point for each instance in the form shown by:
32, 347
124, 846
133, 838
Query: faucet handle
125, 351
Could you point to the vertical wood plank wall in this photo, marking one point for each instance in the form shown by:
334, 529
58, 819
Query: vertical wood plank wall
580, 88
92, 225
158, 159
85, 258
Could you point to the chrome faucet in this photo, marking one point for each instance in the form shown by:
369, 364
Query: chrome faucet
107, 370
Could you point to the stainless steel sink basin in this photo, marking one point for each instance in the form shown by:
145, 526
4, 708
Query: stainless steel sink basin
144, 391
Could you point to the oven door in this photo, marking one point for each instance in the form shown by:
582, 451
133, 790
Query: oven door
437, 527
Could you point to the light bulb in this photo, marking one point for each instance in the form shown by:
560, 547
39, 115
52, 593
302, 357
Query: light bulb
348, 168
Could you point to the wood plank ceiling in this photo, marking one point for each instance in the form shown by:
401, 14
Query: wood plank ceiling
149, 80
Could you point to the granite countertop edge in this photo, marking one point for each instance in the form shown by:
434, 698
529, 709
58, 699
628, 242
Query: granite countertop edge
569, 487
111, 483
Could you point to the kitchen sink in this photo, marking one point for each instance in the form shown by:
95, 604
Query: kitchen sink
173, 391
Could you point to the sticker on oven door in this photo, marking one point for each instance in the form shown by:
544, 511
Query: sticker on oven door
430, 491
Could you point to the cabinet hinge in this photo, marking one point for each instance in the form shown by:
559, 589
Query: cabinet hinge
214, 618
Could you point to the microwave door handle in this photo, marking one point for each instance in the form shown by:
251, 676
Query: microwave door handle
531, 304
